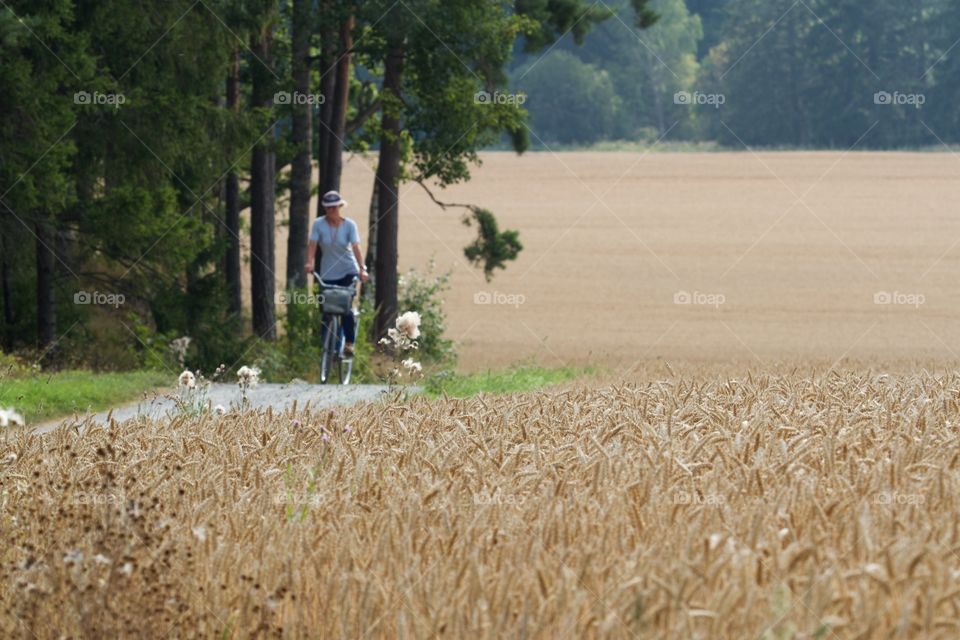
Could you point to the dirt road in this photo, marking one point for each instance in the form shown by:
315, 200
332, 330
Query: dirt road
277, 396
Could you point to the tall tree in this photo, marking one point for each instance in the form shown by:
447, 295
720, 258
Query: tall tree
388, 180
46, 266
332, 164
232, 200
36, 149
329, 11
262, 192
301, 172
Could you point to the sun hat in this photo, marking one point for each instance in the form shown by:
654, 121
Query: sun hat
332, 199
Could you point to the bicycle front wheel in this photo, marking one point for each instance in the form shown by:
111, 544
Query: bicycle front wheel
330, 358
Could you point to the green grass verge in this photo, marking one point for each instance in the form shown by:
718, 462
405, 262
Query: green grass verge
45, 396
507, 381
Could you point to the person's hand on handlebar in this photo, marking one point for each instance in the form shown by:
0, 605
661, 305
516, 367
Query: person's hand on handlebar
308, 267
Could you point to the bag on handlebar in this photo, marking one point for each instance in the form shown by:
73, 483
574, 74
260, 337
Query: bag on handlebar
337, 300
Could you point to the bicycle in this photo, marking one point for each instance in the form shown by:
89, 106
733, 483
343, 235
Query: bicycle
335, 302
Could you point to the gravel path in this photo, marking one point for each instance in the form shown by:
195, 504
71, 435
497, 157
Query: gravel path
278, 396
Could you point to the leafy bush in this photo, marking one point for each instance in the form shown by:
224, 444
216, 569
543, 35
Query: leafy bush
422, 292
12, 366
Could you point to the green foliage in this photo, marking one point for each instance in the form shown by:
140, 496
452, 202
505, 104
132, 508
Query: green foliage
553, 19
620, 83
791, 75
153, 348
585, 111
813, 81
12, 366
507, 381
492, 248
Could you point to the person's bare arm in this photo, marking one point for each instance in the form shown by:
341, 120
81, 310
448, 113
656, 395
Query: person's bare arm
359, 256
311, 253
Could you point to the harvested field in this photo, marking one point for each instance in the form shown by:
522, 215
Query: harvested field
786, 505
798, 244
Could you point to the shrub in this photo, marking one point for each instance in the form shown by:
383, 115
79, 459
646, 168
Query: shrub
422, 292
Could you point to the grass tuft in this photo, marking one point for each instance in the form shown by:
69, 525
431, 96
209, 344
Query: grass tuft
45, 396
497, 382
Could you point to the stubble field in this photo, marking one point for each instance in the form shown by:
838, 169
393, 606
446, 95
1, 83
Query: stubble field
796, 248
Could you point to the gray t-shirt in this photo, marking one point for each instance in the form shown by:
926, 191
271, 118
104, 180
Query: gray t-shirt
337, 260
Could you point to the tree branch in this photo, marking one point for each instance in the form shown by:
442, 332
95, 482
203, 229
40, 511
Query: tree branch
444, 205
362, 117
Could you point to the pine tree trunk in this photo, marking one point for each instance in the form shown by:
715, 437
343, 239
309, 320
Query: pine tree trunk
46, 309
262, 213
232, 200
338, 112
6, 286
302, 169
371, 257
328, 84
388, 175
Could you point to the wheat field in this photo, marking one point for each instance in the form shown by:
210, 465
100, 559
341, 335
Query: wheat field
695, 504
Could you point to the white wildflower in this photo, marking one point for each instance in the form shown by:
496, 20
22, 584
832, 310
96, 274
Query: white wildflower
412, 365
188, 380
127, 568
73, 557
248, 377
10, 458
220, 410
10, 418
101, 559
200, 533
409, 324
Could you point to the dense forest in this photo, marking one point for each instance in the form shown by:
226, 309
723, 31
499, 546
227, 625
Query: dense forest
773, 73
133, 134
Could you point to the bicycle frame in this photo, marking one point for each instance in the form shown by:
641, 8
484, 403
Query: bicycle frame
333, 339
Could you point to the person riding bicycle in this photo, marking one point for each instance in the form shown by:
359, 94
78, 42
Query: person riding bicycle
340, 261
